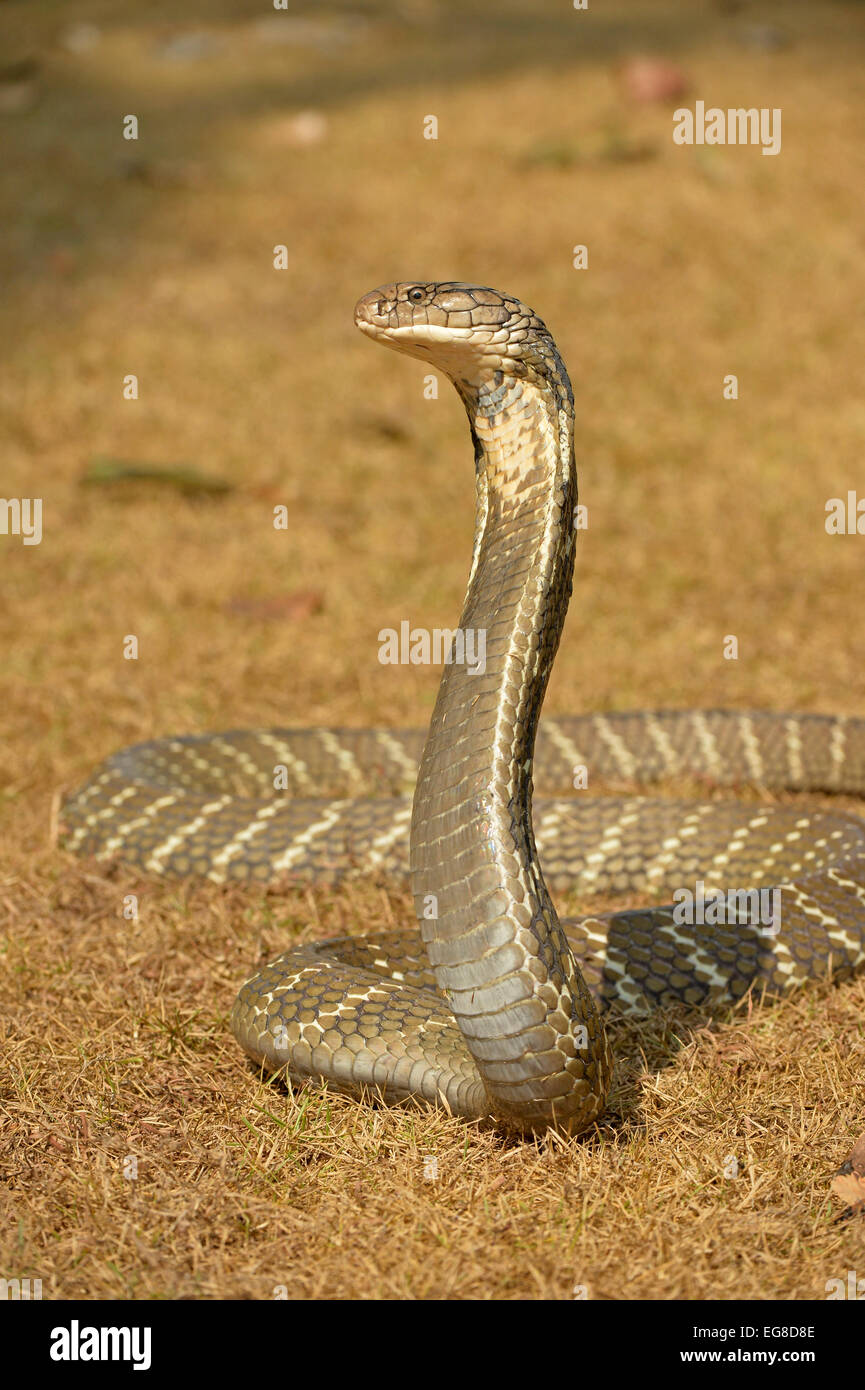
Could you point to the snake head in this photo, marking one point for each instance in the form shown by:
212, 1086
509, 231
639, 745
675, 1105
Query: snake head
466, 331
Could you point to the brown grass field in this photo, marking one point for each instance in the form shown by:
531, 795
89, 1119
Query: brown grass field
706, 519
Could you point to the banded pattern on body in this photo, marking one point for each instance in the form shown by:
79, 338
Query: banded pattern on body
493, 1005
180, 807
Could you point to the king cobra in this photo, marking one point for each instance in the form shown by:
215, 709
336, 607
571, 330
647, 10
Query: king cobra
494, 1009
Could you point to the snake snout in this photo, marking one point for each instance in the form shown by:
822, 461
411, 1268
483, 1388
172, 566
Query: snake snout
372, 309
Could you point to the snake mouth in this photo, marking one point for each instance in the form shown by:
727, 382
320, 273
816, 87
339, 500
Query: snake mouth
444, 337
375, 319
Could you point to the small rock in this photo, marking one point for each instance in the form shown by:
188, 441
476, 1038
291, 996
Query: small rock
17, 97
309, 33
306, 128
765, 38
80, 38
189, 48
19, 88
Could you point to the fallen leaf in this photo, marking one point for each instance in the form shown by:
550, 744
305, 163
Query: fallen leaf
162, 173
385, 427
110, 470
303, 603
652, 80
851, 1190
608, 147
849, 1182
857, 1156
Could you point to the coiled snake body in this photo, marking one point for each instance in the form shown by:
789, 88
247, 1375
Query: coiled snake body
497, 1011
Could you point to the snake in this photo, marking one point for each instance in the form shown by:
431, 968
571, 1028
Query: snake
493, 1007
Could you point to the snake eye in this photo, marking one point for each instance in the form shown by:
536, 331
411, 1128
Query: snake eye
415, 295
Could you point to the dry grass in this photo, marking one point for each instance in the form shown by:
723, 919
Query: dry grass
706, 518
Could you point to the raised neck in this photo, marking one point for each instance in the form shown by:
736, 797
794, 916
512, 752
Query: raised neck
495, 941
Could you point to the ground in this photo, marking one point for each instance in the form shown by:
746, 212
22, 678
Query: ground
140, 1156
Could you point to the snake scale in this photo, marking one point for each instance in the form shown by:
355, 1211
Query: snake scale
494, 1008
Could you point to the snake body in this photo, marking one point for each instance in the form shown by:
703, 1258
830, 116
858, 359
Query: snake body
494, 1008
